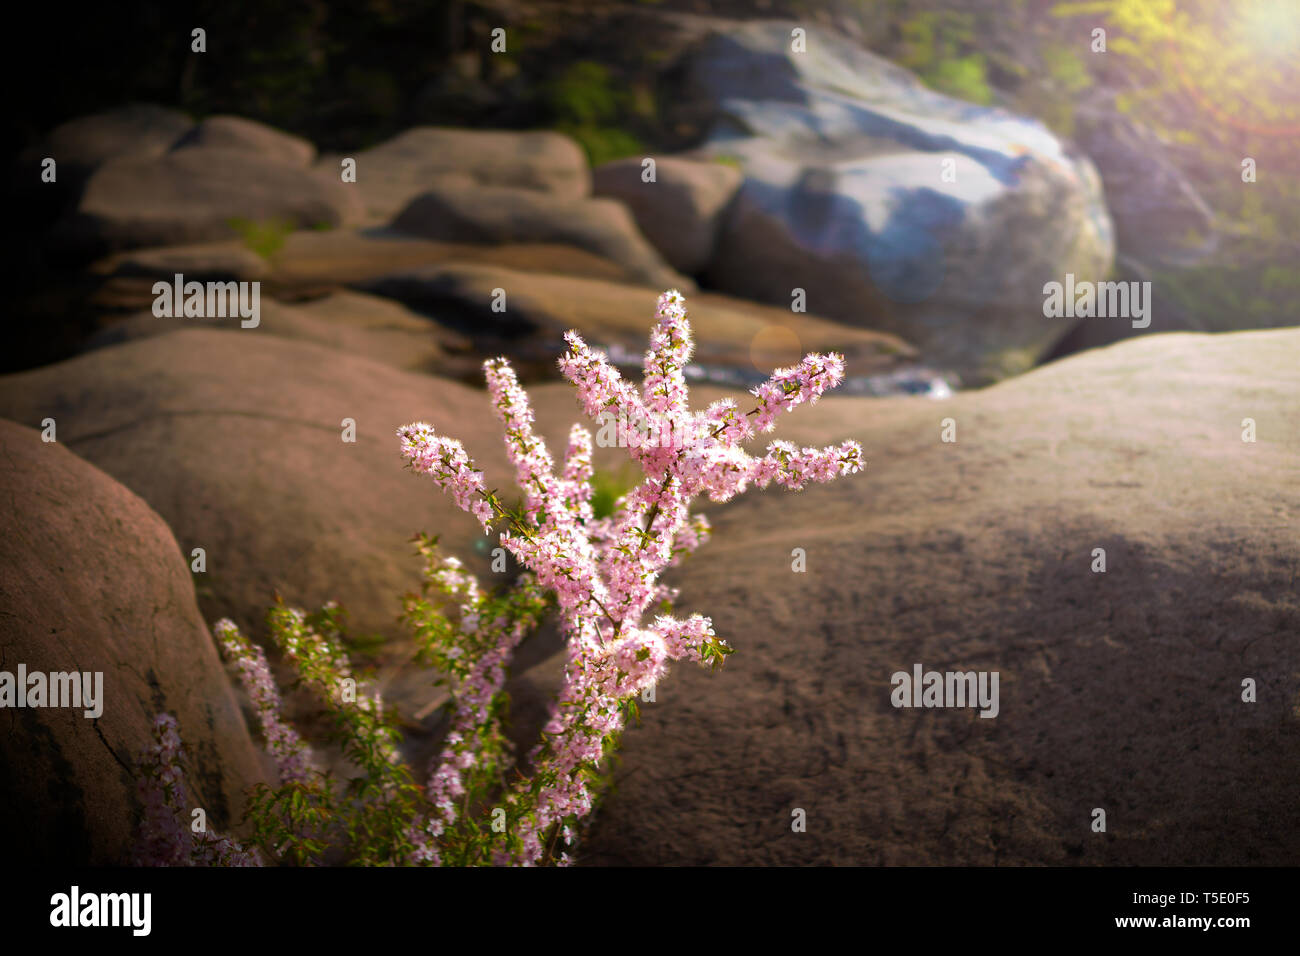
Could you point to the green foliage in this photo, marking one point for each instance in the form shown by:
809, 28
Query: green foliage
583, 95
937, 46
264, 238
603, 143
963, 77
1066, 70
606, 490
366, 819
452, 650
588, 105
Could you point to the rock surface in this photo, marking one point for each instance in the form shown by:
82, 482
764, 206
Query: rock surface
192, 195
458, 212
680, 212
91, 580
235, 439
539, 309
393, 173
235, 132
1154, 205
352, 322
1119, 690
137, 130
314, 262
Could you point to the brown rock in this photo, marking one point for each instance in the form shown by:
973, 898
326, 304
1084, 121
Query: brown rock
192, 195
1119, 690
351, 322
457, 213
540, 308
235, 132
393, 173
91, 580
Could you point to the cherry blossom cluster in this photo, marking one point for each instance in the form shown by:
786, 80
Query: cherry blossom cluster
604, 574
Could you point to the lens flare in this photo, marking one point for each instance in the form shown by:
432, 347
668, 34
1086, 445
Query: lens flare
1271, 27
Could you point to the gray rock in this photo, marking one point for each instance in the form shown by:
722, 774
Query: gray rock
844, 196
728, 333
681, 211
235, 438
215, 261
977, 556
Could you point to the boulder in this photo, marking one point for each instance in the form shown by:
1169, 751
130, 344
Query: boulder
730, 333
680, 211
235, 132
134, 131
351, 322
393, 173
193, 195
317, 259
222, 261
92, 581
236, 439
457, 212
894, 207
1121, 690
314, 262
1155, 207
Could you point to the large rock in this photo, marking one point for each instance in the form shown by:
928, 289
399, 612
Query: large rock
846, 196
730, 333
91, 580
235, 132
225, 260
312, 263
235, 438
680, 211
1155, 207
459, 212
135, 131
1120, 690
352, 322
393, 173
192, 195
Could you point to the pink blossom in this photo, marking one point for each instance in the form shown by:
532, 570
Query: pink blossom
604, 573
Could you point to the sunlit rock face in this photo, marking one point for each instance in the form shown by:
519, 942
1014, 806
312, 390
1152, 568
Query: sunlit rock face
892, 205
